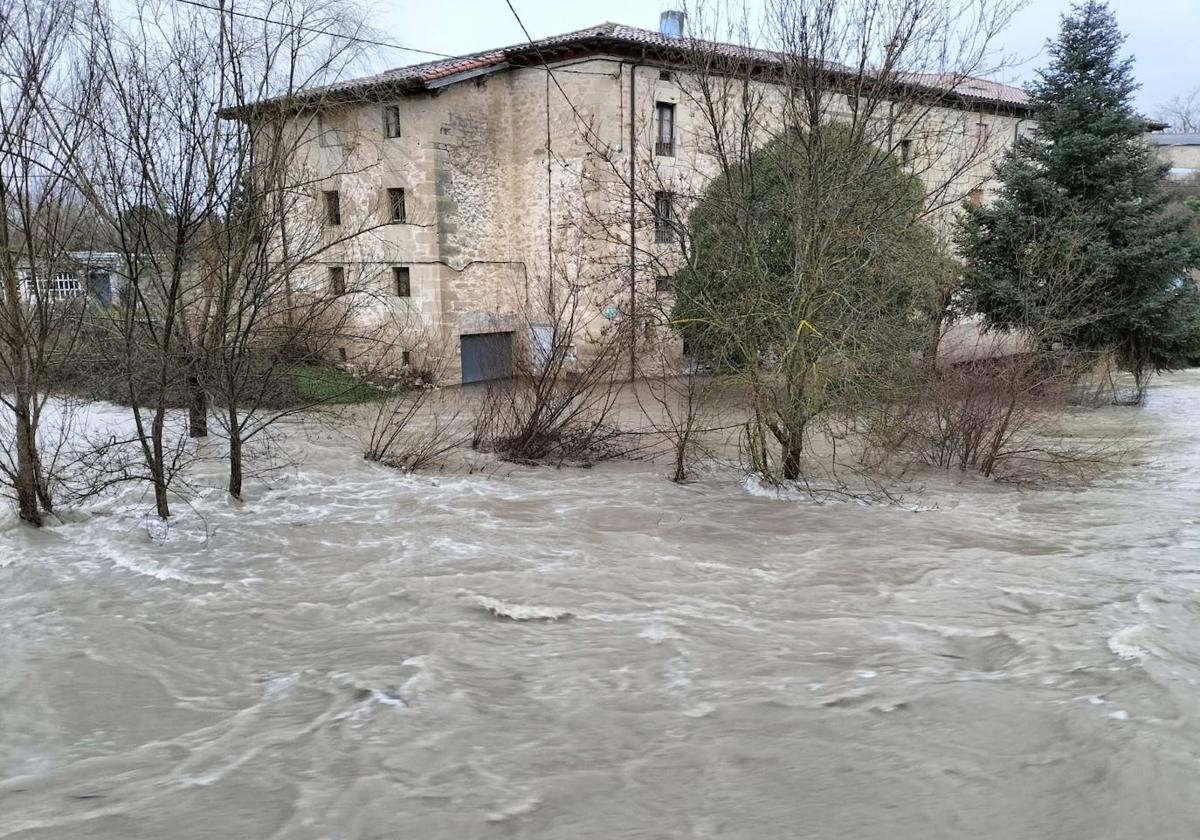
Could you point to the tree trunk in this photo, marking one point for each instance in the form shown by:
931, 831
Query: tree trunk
26, 478
197, 399
158, 465
235, 455
792, 452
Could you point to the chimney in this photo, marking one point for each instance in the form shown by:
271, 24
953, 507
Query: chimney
671, 24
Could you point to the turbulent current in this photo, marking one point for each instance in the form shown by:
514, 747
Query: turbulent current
357, 653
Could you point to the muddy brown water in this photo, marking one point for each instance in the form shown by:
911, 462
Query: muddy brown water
356, 653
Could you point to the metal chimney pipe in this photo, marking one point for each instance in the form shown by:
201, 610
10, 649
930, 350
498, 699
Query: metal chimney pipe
670, 23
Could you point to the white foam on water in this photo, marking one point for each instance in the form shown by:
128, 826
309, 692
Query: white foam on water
520, 612
659, 633
1130, 643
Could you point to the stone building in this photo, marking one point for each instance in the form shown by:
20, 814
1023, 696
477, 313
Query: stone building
1180, 151
500, 189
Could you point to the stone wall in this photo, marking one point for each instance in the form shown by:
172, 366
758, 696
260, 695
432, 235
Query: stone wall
499, 232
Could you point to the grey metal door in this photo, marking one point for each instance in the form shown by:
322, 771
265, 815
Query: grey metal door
486, 356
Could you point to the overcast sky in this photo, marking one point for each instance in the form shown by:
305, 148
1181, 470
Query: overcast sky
1164, 35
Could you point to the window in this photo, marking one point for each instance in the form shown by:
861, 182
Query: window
401, 281
664, 217
395, 200
333, 208
406, 358
852, 103
61, 286
391, 120
905, 151
976, 196
326, 136
664, 75
337, 280
341, 354
982, 131
664, 145
662, 283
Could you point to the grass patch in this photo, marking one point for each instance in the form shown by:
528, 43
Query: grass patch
321, 384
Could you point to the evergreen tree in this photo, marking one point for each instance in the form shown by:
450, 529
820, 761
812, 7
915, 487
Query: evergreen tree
1085, 175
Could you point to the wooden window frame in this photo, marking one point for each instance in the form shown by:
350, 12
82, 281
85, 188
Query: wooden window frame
391, 122
402, 281
664, 218
664, 141
396, 206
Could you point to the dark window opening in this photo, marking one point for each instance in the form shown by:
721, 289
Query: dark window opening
391, 121
401, 281
982, 132
337, 280
395, 197
406, 358
664, 217
852, 103
664, 75
662, 283
341, 354
905, 151
333, 208
664, 145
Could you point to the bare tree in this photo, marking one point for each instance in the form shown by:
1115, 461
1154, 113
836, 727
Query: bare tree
1181, 112
200, 164
41, 284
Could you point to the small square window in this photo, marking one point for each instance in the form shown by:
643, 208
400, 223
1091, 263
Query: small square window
401, 281
396, 212
664, 75
337, 280
391, 121
333, 208
662, 283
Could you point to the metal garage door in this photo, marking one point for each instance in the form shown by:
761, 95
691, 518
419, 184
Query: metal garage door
486, 356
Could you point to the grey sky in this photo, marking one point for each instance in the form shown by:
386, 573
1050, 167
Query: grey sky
1164, 35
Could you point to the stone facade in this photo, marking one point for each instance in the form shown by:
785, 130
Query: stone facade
515, 192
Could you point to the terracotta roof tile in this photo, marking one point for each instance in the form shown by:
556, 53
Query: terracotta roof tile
617, 35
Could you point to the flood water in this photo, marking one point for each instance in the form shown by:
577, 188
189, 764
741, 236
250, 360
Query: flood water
356, 653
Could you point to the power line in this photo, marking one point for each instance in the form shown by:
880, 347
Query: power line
537, 50
315, 30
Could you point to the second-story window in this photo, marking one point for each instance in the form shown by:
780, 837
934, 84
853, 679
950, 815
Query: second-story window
333, 207
337, 280
664, 145
982, 132
664, 217
401, 281
395, 205
326, 136
906, 151
391, 121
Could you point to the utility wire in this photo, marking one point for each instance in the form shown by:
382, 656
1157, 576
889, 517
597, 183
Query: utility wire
537, 50
315, 30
